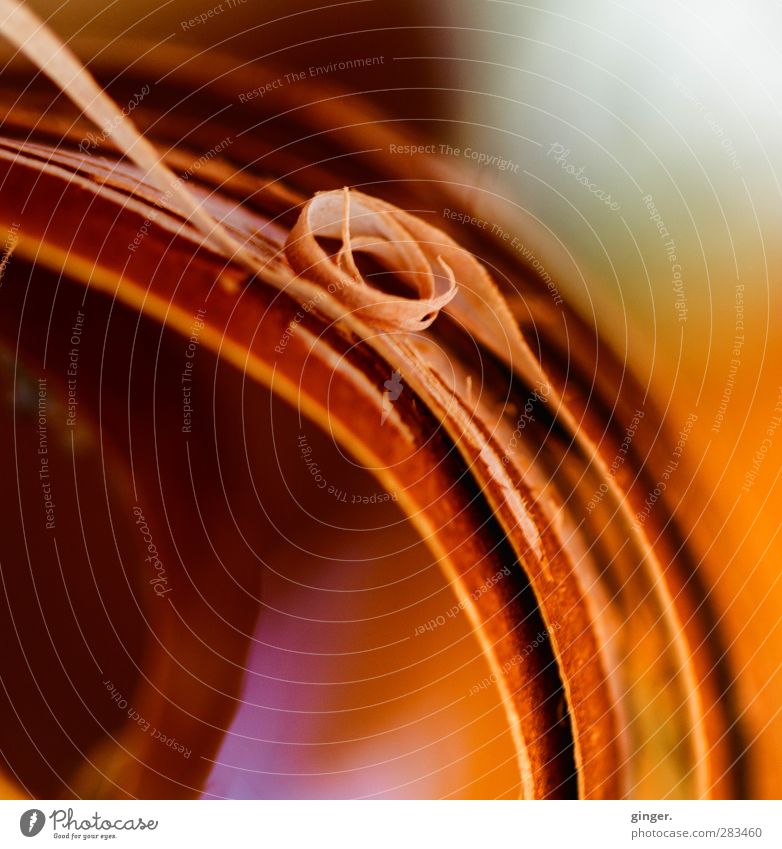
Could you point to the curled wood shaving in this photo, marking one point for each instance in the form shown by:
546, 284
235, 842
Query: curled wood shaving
443, 274
364, 224
424, 257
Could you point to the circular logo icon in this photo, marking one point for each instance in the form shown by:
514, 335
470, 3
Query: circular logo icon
31, 822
